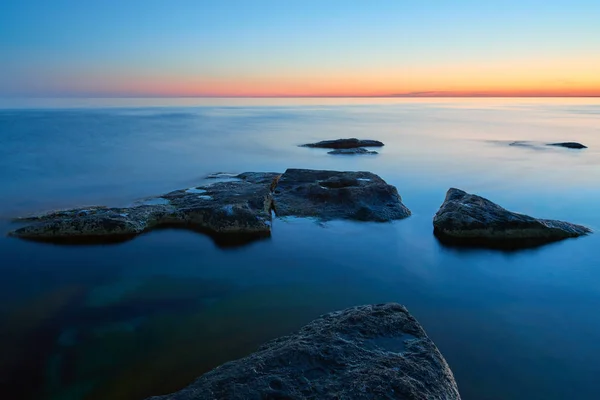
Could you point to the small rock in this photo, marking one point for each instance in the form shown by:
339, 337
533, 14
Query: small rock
468, 219
569, 145
344, 144
521, 143
359, 150
368, 352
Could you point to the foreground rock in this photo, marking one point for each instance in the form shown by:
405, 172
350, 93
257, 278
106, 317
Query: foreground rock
473, 220
368, 352
241, 206
331, 195
359, 150
569, 145
344, 144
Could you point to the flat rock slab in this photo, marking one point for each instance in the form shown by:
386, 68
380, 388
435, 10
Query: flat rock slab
368, 352
569, 145
344, 144
239, 206
329, 195
468, 219
233, 210
359, 150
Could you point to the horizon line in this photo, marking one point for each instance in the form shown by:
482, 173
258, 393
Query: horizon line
420, 96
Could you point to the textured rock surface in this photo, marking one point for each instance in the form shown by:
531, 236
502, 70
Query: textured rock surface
569, 145
367, 352
233, 210
473, 220
359, 150
239, 206
331, 195
344, 144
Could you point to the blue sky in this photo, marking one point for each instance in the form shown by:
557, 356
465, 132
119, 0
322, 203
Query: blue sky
295, 47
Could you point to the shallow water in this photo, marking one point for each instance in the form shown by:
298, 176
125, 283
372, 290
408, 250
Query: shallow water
148, 316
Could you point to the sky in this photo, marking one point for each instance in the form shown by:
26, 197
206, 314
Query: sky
263, 48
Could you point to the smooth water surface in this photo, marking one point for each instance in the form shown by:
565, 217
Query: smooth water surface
146, 317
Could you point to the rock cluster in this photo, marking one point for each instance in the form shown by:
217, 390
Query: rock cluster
241, 205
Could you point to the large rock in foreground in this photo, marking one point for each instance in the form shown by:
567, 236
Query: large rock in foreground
331, 195
368, 352
344, 144
473, 220
241, 206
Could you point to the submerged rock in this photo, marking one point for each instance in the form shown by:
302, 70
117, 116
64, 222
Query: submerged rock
242, 206
473, 220
569, 145
522, 143
359, 150
329, 195
344, 144
368, 352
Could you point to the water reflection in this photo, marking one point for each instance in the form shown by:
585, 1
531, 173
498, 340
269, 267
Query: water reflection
147, 316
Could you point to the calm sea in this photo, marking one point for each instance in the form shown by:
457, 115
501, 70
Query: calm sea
148, 316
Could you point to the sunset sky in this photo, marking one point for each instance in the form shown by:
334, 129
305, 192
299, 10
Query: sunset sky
299, 48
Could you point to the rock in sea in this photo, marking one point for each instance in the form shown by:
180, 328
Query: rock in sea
468, 219
569, 145
368, 352
240, 206
232, 212
359, 150
329, 195
344, 144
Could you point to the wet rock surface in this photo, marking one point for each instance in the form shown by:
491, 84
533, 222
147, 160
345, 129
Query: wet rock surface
233, 210
329, 195
239, 206
359, 150
344, 144
569, 145
468, 219
367, 352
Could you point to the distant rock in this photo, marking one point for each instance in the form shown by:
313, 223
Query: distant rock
569, 145
368, 352
344, 144
473, 220
241, 206
359, 150
331, 195
521, 143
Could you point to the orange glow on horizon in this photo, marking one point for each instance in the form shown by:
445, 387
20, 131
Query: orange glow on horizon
571, 78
